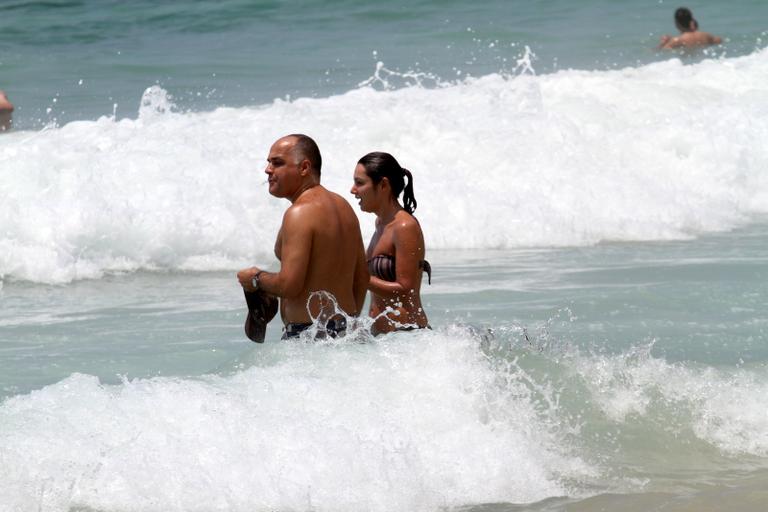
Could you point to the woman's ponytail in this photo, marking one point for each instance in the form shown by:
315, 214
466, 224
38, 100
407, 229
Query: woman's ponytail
409, 200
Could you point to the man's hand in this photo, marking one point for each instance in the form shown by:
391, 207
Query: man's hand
245, 277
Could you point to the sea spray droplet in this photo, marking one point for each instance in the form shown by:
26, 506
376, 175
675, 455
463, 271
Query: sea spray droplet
155, 101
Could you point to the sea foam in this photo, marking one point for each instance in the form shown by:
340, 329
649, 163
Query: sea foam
423, 421
415, 422
658, 152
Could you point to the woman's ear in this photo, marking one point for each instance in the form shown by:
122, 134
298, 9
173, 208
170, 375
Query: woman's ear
385, 183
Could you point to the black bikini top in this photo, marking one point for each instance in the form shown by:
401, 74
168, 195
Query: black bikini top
383, 267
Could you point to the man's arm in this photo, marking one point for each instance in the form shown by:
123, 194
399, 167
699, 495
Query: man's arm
295, 251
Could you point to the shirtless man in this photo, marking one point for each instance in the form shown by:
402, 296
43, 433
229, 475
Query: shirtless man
690, 35
319, 244
6, 113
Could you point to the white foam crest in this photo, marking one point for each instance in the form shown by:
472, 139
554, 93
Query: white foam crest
163, 191
724, 409
406, 423
664, 151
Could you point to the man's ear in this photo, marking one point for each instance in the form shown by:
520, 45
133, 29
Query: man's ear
305, 167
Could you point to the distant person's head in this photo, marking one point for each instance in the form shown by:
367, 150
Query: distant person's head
384, 171
684, 20
294, 162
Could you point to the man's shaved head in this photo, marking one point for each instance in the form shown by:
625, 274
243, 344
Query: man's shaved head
305, 148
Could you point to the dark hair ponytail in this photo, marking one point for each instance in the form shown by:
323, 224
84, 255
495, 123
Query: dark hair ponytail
379, 165
409, 201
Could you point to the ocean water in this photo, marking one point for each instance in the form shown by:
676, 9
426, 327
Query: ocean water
596, 214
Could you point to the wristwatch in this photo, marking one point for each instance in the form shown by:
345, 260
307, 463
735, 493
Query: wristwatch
255, 280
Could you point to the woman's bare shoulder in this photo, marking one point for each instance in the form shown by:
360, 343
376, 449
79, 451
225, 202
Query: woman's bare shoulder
404, 220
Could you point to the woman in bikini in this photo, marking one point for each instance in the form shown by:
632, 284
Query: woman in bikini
396, 251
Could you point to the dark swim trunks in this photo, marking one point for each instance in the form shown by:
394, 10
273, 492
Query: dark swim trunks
333, 328
408, 328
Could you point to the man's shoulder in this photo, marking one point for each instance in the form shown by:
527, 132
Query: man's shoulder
325, 193
340, 201
299, 212
340, 205
318, 205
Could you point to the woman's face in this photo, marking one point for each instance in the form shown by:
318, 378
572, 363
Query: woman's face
364, 190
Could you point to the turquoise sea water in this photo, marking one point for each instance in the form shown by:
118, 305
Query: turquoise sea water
65, 60
595, 213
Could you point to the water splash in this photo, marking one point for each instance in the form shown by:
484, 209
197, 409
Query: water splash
359, 328
388, 79
155, 102
524, 63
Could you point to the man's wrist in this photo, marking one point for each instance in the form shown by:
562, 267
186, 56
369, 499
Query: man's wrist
255, 280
